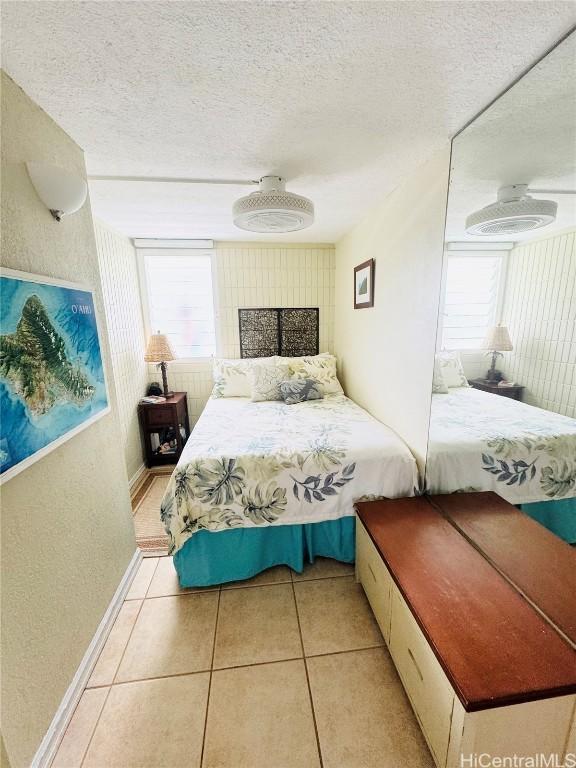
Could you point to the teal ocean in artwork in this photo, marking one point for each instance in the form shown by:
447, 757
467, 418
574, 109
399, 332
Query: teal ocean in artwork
51, 374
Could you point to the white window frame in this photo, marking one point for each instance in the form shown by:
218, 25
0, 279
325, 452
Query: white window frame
499, 304
141, 253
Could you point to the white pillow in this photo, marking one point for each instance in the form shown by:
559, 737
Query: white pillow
294, 361
232, 377
266, 379
321, 368
451, 368
438, 382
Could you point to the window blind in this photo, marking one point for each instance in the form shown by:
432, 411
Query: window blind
180, 301
470, 300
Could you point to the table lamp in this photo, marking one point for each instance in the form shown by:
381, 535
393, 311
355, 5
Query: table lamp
159, 351
497, 341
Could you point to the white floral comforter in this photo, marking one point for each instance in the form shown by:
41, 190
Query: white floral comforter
485, 442
268, 463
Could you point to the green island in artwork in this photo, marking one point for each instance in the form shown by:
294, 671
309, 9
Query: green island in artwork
35, 363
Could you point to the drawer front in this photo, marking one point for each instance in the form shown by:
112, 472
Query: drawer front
159, 416
513, 393
534, 727
375, 579
426, 684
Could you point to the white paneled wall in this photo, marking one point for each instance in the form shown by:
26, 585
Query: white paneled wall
540, 312
263, 276
119, 276
258, 275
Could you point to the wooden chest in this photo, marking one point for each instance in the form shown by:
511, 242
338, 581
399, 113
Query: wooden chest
484, 649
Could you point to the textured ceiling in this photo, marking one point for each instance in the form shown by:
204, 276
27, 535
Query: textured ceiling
341, 98
527, 137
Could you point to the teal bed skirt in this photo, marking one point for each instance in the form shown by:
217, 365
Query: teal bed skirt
559, 516
215, 558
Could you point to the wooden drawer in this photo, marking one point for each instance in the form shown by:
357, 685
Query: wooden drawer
430, 693
508, 392
525, 730
375, 579
159, 416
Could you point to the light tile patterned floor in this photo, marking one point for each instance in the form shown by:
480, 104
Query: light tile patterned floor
282, 671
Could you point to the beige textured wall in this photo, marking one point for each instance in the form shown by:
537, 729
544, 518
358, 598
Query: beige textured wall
4, 762
120, 289
540, 313
387, 352
67, 534
258, 275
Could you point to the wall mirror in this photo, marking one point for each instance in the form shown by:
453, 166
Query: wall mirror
503, 414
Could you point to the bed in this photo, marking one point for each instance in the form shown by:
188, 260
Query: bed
484, 442
265, 483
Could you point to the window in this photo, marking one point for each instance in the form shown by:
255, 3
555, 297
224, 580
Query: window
180, 299
471, 299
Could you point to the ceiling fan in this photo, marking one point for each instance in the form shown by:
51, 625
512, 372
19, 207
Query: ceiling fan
269, 209
515, 211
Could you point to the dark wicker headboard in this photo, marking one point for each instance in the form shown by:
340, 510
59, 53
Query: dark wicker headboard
290, 332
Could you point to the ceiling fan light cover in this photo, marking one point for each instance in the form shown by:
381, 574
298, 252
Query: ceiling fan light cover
272, 209
514, 212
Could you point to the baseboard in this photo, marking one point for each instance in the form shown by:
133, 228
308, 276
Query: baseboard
51, 741
136, 478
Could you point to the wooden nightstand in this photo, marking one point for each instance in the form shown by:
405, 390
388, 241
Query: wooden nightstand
165, 427
515, 392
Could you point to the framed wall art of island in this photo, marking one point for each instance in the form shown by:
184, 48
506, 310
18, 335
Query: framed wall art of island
52, 379
364, 285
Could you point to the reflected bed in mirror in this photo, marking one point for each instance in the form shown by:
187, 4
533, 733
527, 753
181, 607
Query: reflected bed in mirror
503, 414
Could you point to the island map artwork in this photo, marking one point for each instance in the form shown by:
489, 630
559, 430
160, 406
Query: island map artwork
52, 381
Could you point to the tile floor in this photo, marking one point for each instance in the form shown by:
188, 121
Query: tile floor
283, 671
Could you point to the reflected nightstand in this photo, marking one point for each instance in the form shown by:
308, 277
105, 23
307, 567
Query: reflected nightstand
514, 392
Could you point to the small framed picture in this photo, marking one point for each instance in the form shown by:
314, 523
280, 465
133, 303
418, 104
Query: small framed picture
364, 285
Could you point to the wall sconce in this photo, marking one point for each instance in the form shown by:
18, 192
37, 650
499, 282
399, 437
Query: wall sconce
61, 191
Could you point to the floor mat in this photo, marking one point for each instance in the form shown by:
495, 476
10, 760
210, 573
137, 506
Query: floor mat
150, 534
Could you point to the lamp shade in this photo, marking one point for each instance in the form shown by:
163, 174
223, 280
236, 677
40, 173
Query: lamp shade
159, 349
498, 339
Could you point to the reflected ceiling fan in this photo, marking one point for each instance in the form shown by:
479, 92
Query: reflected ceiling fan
515, 211
269, 209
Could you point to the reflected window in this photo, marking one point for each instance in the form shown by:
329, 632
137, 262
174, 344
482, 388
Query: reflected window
472, 298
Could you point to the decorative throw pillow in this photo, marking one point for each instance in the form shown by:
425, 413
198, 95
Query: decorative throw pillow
438, 383
294, 362
266, 379
451, 368
321, 368
299, 390
232, 377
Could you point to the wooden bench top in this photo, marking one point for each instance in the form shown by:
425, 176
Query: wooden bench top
494, 647
538, 563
